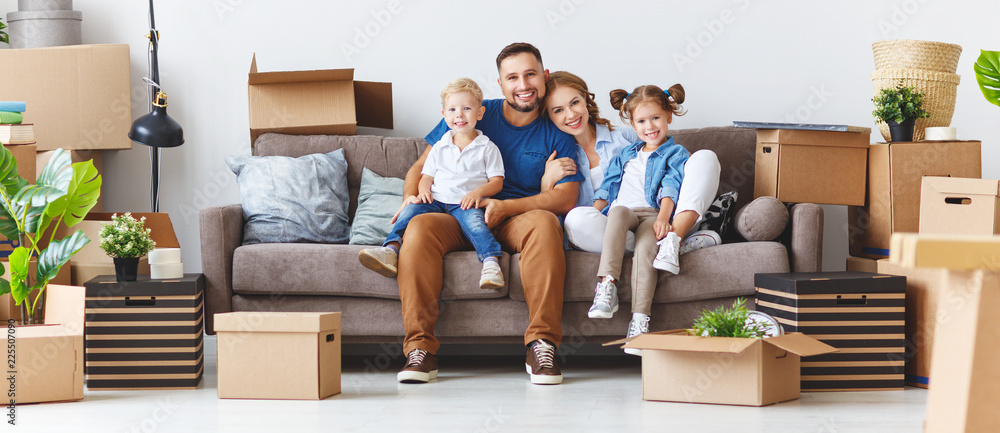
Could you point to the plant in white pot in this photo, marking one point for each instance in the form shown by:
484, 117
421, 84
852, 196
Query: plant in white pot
126, 240
32, 213
987, 69
899, 107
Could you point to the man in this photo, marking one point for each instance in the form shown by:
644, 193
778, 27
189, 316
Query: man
522, 219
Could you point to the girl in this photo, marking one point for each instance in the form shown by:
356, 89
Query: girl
638, 194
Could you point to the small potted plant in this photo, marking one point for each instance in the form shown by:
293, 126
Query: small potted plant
126, 239
987, 68
735, 322
899, 107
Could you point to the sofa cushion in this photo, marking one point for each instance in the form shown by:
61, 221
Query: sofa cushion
378, 200
763, 219
288, 199
315, 269
715, 272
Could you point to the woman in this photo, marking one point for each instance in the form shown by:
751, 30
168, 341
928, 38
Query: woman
571, 107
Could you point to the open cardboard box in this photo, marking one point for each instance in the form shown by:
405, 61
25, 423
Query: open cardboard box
49, 358
92, 261
720, 370
79, 96
315, 102
7, 305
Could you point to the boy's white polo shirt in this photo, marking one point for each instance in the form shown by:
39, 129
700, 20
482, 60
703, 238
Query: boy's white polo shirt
458, 172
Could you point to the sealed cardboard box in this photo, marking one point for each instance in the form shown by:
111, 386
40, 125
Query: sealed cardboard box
823, 167
292, 356
76, 156
945, 251
92, 261
953, 205
862, 264
924, 287
964, 358
144, 334
78, 96
895, 171
315, 102
861, 314
49, 358
740, 371
25, 154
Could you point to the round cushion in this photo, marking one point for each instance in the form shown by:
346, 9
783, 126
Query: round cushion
763, 219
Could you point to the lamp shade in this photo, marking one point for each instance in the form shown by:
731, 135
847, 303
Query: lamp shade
157, 129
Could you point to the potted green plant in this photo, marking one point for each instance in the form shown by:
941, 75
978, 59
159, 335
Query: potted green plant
126, 239
987, 69
731, 322
3, 35
32, 214
899, 107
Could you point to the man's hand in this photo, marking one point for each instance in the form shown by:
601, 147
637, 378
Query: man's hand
661, 227
406, 201
496, 212
471, 200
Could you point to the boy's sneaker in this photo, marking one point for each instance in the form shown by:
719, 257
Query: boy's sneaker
635, 328
492, 277
421, 367
382, 260
605, 300
667, 258
541, 363
700, 239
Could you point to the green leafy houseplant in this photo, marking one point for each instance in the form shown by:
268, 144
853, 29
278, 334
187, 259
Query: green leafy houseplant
728, 322
899, 104
32, 213
126, 237
3, 35
988, 75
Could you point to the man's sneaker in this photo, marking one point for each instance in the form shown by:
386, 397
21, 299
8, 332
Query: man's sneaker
381, 260
491, 278
541, 364
635, 328
605, 300
667, 258
421, 367
700, 239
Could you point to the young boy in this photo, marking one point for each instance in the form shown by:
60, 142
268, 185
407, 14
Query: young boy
461, 170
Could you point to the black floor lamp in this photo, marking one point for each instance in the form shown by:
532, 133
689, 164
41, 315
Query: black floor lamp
156, 129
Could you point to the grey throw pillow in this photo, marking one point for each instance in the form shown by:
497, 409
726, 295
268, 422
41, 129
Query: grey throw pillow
378, 201
763, 219
288, 199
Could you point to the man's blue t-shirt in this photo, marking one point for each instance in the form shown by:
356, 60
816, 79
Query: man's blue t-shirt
524, 149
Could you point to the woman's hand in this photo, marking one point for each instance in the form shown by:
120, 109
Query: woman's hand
406, 201
556, 169
661, 227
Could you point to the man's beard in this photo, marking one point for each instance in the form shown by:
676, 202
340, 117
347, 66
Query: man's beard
524, 109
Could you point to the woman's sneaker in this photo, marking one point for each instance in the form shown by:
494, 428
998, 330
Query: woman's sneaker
668, 257
605, 300
635, 328
382, 260
491, 278
700, 239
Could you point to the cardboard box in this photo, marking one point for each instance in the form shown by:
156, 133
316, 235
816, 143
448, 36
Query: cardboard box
862, 264
49, 358
83, 272
92, 261
895, 171
145, 334
315, 102
964, 359
953, 205
822, 167
861, 314
296, 356
79, 97
76, 156
720, 370
12, 310
25, 154
946, 251
924, 287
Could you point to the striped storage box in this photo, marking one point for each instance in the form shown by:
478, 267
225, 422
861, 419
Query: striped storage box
860, 313
144, 334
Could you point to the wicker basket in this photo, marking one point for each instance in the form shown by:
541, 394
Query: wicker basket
939, 90
907, 54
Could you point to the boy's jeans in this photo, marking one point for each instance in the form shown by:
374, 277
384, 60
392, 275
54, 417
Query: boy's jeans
472, 221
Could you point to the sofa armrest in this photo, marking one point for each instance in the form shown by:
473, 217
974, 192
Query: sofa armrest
221, 234
806, 254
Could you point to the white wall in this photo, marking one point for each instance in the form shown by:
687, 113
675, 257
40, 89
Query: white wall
765, 62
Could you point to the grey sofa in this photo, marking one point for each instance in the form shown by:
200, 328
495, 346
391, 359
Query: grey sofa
319, 277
